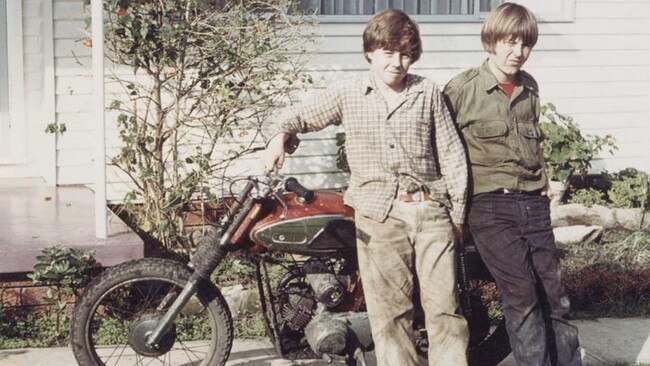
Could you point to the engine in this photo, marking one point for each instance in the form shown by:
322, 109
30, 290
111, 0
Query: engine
313, 299
329, 287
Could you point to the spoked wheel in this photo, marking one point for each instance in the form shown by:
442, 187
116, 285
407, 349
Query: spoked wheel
118, 310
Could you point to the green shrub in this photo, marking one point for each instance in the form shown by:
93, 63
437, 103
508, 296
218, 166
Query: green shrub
234, 269
566, 150
629, 189
65, 271
21, 328
588, 197
250, 326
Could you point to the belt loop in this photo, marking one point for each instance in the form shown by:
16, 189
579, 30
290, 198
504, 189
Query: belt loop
425, 189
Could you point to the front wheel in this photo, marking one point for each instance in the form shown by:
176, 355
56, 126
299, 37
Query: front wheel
123, 305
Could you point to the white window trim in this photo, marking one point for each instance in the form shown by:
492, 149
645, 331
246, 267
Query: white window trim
442, 18
15, 68
566, 14
477, 16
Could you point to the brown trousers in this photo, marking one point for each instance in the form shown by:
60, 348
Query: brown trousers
415, 240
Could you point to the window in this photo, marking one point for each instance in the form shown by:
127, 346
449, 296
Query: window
12, 102
343, 9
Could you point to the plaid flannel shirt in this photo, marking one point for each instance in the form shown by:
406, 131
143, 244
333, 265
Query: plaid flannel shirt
416, 138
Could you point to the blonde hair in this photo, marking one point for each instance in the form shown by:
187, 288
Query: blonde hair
509, 20
393, 30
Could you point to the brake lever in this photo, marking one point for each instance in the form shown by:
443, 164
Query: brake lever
285, 207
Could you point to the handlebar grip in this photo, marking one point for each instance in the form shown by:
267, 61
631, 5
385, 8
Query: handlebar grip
292, 185
291, 144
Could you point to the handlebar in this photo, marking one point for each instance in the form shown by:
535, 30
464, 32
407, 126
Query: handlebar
291, 144
292, 185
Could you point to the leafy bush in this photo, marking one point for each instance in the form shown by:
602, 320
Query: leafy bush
234, 269
566, 150
207, 75
66, 271
21, 328
630, 189
588, 197
250, 326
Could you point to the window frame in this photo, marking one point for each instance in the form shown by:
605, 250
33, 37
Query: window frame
566, 14
15, 137
476, 16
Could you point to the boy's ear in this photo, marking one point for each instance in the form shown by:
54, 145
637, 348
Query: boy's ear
368, 56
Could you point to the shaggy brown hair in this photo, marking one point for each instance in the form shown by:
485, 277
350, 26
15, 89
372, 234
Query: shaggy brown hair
509, 20
392, 30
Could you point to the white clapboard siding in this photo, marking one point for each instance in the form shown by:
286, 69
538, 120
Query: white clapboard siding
594, 67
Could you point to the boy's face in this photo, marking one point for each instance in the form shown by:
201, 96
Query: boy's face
389, 67
508, 57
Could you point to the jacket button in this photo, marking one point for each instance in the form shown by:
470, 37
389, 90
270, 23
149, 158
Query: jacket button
391, 146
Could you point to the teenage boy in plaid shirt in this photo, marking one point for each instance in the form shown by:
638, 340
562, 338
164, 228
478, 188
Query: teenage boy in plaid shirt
408, 188
496, 107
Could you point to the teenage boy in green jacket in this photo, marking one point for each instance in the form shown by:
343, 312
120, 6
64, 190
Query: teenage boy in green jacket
496, 107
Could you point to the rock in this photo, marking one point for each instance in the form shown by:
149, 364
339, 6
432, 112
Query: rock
566, 215
582, 234
600, 215
240, 300
608, 218
629, 218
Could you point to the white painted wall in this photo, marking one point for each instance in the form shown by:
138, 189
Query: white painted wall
73, 80
593, 63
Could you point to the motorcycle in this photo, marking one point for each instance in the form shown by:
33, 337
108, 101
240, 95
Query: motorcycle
157, 311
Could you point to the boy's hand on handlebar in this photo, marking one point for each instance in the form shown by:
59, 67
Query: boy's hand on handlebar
273, 156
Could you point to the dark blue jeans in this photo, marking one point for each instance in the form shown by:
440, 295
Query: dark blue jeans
513, 235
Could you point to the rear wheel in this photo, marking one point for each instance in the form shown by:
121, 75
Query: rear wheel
124, 304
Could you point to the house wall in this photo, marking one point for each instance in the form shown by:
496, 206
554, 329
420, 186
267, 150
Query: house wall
593, 67
73, 80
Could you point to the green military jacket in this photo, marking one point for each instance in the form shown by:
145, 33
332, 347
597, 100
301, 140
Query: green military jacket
502, 134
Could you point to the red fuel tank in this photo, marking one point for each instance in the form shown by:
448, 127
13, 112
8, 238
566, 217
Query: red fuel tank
320, 227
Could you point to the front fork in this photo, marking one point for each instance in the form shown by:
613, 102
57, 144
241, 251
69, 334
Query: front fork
207, 257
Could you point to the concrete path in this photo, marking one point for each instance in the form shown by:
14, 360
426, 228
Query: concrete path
604, 342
